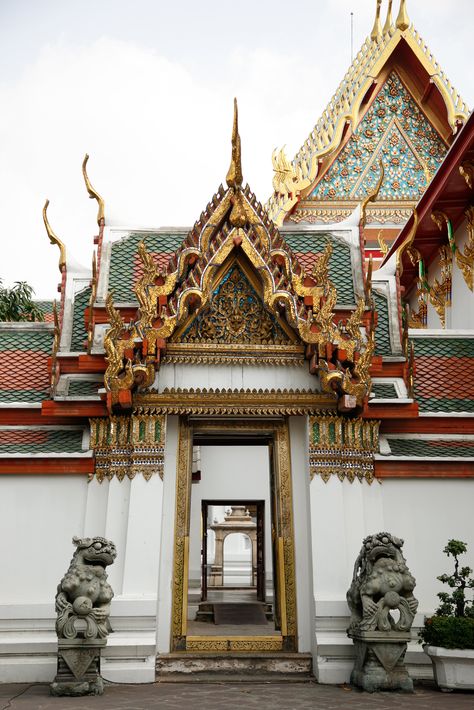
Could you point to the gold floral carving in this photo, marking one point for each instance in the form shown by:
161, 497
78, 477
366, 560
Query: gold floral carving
440, 291
372, 196
234, 643
234, 402
181, 540
343, 447
465, 259
125, 446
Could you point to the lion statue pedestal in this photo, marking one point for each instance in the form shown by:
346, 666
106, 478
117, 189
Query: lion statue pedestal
82, 625
382, 611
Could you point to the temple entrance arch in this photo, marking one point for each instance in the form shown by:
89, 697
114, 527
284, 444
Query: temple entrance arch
272, 435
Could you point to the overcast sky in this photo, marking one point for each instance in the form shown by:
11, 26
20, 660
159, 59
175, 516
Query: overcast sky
146, 86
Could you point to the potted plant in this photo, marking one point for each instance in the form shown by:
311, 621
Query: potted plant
449, 634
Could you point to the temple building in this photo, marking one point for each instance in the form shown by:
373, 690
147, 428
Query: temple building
238, 405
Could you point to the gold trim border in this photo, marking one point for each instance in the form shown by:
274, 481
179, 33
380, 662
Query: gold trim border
240, 644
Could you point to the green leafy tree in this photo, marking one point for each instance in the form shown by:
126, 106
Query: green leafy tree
16, 303
456, 603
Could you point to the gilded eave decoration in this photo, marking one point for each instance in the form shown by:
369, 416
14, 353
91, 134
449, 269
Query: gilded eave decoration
342, 447
293, 179
127, 445
235, 227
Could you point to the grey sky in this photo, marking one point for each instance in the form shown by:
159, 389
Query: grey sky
146, 88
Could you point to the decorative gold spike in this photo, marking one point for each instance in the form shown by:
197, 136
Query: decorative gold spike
234, 176
382, 243
403, 21
372, 196
376, 29
93, 194
466, 169
407, 243
54, 239
388, 22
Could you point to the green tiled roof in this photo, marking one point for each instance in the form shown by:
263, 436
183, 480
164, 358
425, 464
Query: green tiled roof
79, 333
40, 441
123, 259
431, 447
45, 306
23, 364
382, 331
444, 374
305, 246
384, 390
83, 388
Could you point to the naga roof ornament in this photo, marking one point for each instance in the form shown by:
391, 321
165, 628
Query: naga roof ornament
295, 180
234, 229
93, 194
54, 239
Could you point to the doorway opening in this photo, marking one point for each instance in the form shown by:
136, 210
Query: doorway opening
236, 543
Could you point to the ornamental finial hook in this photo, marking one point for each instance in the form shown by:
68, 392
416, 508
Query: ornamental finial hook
93, 194
403, 21
388, 22
234, 176
54, 239
376, 29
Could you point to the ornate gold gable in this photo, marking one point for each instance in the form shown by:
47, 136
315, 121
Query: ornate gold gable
182, 304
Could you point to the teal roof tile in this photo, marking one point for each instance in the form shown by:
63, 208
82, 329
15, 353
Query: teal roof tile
83, 388
24, 364
125, 264
41, 441
305, 247
79, 332
432, 447
382, 331
384, 390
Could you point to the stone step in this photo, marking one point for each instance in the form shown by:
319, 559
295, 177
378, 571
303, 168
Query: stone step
205, 611
260, 667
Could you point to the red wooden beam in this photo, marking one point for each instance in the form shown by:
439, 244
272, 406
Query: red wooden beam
39, 466
74, 409
390, 411
429, 425
424, 469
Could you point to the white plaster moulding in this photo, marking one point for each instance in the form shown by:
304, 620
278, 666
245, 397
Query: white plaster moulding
423, 459
35, 326
21, 405
448, 414
41, 427
432, 437
438, 333
45, 455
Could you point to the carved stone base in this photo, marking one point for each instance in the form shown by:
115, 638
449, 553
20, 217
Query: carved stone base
379, 661
78, 668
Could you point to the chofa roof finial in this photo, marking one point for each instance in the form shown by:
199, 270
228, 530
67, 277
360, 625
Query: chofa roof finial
93, 194
388, 22
376, 29
403, 22
54, 239
234, 176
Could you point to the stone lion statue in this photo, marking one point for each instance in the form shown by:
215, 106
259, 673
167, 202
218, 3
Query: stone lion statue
381, 584
84, 595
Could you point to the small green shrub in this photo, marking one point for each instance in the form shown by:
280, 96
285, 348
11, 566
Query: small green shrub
453, 624
448, 632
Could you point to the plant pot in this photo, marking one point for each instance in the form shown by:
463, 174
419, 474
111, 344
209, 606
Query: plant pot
453, 667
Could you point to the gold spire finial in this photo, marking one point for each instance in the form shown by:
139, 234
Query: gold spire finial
403, 22
388, 22
93, 194
54, 239
376, 29
234, 176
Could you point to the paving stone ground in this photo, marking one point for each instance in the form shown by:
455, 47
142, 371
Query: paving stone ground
222, 696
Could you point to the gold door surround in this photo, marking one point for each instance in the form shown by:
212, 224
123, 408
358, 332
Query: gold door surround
277, 430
